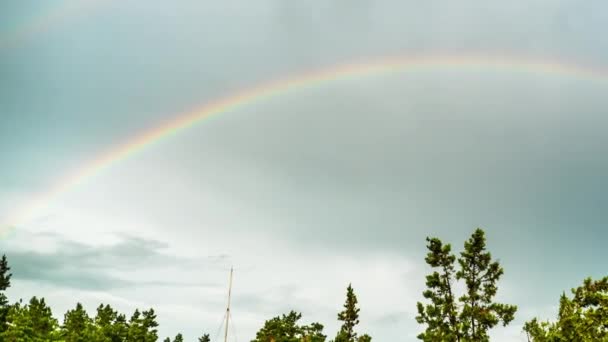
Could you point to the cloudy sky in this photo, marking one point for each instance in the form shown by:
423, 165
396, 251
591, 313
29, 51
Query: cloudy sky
306, 191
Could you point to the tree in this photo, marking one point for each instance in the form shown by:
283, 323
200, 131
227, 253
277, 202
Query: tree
31, 322
350, 318
204, 338
441, 316
142, 327
582, 318
365, 338
477, 312
178, 338
5, 283
109, 325
77, 326
285, 328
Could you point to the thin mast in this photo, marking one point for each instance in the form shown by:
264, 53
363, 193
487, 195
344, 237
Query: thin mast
228, 307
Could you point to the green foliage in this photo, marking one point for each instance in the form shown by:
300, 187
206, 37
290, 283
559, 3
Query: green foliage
33, 322
178, 338
142, 326
77, 326
349, 316
204, 338
285, 328
476, 312
5, 283
110, 326
364, 338
582, 318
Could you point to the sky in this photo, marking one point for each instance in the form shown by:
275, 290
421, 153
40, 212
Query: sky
308, 191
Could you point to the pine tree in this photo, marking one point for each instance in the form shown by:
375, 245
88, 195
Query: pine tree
349, 316
178, 338
480, 313
581, 318
204, 338
441, 315
44, 325
77, 326
150, 324
31, 322
109, 325
476, 312
5, 283
285, 328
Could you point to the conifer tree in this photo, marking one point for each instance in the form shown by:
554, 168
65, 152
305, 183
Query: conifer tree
476, 312
285, 328
582, 318
204, 338
178, 338
77, 326
31, 322
480, 313
350, 318
441, 315
5, 283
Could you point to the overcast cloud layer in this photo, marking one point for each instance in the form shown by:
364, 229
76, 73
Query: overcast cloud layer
307, 191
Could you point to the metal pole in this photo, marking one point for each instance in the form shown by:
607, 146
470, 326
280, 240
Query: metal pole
228, 308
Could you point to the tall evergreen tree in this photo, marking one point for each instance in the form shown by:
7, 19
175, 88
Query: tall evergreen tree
581, 318
31, 322
204, 338
77, 326
349, 317
480, 313
178, 338
142, 326
5, 283
285, 328
441, 315
477, 312
44, 325
110, 325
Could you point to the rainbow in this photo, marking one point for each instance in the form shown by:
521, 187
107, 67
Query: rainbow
280, 87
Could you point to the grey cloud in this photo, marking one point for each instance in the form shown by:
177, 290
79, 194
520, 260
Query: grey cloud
77, 265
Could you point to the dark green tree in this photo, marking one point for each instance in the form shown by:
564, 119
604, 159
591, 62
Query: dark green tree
480, 313
204, 338
78, 326
142, 327
5, 283
44, 326
285, 328
32, 322
178, 338
167, 339
582, 318
349, 317
365, 338
441, 315
477, 312
109, 325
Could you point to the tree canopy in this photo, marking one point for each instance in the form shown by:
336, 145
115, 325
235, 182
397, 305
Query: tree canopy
470, 316
584, 317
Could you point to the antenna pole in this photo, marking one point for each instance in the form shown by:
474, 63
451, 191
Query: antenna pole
228, 307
